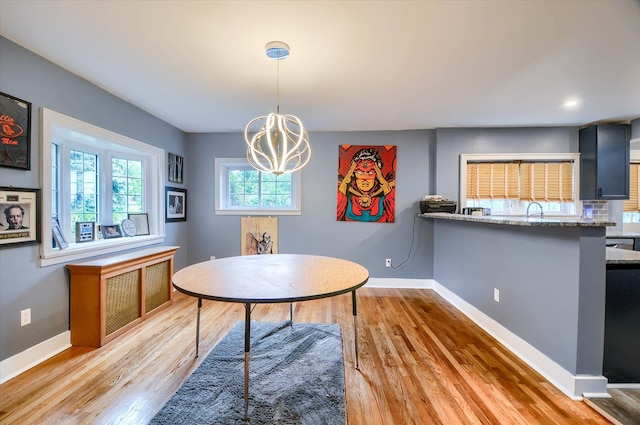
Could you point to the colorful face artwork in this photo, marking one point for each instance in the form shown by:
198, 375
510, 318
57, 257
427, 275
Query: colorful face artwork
366, 183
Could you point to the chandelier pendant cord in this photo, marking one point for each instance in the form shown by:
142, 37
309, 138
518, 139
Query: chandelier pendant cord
280, 143
278, 86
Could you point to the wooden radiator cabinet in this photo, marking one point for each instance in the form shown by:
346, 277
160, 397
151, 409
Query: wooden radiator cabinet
110, 295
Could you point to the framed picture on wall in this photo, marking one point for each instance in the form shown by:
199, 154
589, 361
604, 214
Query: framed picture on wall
20, 218
176, 164
15, 132
175, 204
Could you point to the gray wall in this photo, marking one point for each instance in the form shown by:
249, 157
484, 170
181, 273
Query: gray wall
22, 283
316, 231
551, 282
452, 142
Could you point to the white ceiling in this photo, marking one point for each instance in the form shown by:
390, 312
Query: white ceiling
354, 65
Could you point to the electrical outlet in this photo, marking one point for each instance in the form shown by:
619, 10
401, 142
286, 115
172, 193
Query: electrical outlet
496, 295
25, 317
387, 262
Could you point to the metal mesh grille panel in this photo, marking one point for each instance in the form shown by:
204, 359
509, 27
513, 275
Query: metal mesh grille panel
123, 300
156, 291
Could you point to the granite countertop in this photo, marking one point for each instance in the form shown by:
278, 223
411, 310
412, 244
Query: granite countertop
623, 235
521, 221
622, 256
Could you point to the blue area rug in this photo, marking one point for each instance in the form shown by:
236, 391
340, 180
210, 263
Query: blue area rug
296, 376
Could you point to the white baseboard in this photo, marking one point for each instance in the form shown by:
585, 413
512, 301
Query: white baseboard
15, 365
400, 283
574, 386
630, 385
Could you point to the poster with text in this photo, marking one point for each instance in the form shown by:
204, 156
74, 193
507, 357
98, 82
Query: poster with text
15, 132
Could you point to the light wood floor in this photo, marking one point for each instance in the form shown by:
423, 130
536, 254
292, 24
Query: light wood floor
421, 362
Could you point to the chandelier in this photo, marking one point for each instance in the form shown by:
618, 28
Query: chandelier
280, 143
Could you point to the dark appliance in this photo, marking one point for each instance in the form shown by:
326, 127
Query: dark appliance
438, 206
476, 211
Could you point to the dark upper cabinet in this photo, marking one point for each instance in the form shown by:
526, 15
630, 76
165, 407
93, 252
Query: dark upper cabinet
604, 161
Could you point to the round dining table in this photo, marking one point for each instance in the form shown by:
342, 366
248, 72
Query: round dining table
266, 279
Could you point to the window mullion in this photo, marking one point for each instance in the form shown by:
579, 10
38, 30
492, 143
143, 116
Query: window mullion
260, 189
64, 194
105, 188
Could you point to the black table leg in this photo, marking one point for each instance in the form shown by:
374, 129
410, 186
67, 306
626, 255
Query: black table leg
247, 348
198, 326
355, 324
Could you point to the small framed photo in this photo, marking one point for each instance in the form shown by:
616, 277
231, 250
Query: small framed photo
20, 218
58, 236
176, 164
175, 204
85, 231
142, 223
111, 231
15, 132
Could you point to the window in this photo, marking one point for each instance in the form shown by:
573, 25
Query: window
241, 189
54, 181
631, 206
97, 176
83, 186
508, 183
127, 184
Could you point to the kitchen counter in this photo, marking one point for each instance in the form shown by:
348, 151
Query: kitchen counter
633, 236
521, 221
622, 256
623, 235
622, 316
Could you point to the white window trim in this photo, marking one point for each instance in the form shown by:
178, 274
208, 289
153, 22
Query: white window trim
633, 227
465, 158
222, 165
54, 123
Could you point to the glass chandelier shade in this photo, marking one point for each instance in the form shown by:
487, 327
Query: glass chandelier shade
277, 143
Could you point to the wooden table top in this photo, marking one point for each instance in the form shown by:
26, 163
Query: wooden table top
271, 278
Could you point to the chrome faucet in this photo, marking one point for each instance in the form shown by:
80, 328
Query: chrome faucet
541, 211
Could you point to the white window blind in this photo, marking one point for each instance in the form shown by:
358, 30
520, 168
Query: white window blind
526, 181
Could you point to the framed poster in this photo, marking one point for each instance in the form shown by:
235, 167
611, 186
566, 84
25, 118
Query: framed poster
366, 183
176, 163
175, 204
20, 218
142, 223
15, 132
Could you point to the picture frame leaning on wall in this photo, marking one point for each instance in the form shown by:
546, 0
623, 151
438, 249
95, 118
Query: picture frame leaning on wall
58, 236
141, 220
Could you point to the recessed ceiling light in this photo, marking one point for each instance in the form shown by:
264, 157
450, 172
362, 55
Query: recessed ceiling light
571, 103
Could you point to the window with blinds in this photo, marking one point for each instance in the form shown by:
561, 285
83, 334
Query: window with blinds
525, 181
633, 203
508, 183
492, 180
